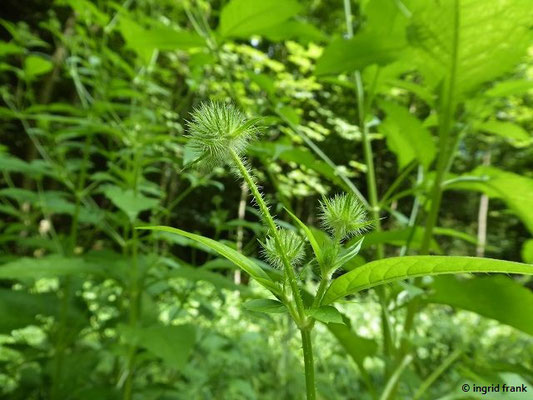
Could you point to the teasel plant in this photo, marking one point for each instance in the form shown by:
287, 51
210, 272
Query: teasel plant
219, 134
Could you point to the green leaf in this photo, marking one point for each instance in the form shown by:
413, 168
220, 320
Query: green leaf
46, 267
326, 314
129, 202
158, 36
515, 190
505, 130
309, 235
234, 256
348, 253
510, 88
397, 268
380, 42
362, 50
294, 30
19, 309
10, 48
265, 305
357, 347
492, 36
35, 66
243, 18
406, 136
527, 251
498, 297
172, 344
201, 274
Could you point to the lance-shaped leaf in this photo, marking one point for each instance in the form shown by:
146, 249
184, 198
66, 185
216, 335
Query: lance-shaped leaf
397, 268
310, 236
234, 256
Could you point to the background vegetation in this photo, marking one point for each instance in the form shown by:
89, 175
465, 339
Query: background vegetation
401, 103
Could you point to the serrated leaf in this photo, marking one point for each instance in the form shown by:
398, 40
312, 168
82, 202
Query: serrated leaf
234, 256
380, 42
243, 18
406, 136
393, 269
265, 305
493, 297
172, 344
326, 314
479, 39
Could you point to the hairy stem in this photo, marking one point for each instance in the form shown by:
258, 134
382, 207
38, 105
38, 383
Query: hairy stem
309, 364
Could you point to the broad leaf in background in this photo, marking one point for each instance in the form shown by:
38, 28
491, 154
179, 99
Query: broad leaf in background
380, 42
510, 88
497, 297
356, 346
46, 267
35, 66
172, 344
128, 201
243, 18
397, 268
145, 40
515, 190
406, 136
482, 39
507, 130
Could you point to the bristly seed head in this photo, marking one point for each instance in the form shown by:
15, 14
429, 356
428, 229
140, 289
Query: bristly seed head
217, 128
344, 216
292, 246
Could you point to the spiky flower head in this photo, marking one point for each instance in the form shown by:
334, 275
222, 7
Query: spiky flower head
343, 216
292, 246
217, 128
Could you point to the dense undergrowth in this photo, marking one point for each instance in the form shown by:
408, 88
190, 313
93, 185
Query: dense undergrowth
318, 161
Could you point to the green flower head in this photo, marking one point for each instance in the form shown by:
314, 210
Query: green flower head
344, 216
292, 246
216, 129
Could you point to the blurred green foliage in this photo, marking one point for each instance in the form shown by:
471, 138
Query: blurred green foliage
95, 99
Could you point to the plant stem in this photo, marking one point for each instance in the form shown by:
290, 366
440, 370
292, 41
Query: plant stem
309, 364
303, 323
371, 184
274, 232
447, 149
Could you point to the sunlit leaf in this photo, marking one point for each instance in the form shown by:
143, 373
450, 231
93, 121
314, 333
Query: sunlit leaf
406, 136
243, 18
50, 266
398, 268
326, 314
